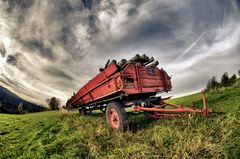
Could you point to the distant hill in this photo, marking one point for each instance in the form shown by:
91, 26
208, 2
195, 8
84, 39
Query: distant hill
10, 102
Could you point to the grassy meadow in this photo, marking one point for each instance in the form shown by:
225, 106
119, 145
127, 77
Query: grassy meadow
61, 134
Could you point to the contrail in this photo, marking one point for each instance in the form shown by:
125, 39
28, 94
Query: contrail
224, 15
190, 47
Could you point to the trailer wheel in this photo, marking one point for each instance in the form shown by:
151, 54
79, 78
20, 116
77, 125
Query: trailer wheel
117, 117
82, 111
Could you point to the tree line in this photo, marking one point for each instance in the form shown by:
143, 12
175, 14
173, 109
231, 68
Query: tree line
224, 82
54, 103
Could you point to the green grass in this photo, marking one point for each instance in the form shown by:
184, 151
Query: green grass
59, 134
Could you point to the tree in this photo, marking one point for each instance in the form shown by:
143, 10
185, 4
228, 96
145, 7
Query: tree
225, 79
212, 83
233, 78
53, 103
1, 107
20, 107
238, 72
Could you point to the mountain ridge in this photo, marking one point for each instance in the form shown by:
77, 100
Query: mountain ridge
10, 102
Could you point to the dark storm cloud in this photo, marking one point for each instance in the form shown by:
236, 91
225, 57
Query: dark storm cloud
15, 4
177, 26
58, 73
39, 47
87, 3
64, 14
62, 43
13, 59
69, 14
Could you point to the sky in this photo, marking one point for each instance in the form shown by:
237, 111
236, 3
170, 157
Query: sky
53, 47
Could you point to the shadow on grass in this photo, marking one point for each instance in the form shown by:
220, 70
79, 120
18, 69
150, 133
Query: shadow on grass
96, 114
137, 121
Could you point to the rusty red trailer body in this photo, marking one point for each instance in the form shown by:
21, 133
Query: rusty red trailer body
132, 83
132, 80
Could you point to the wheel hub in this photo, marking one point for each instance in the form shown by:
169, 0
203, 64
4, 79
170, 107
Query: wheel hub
113, 118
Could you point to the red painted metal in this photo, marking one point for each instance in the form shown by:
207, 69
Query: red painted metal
124, 83
159, 115
113, 119
188, 112
132, 80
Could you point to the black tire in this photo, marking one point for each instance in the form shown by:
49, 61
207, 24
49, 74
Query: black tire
123, 123
82, 111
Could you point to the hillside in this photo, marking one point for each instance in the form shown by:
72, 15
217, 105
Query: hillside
10, 101
67, 135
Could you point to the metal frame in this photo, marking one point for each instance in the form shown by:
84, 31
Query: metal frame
178, 110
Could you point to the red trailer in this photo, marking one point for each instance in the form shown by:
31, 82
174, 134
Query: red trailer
134, 83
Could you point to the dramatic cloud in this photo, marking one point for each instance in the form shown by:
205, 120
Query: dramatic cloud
53, 47
2, 50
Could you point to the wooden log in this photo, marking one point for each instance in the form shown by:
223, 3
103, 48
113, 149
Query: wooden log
122, 62
135, 58
154, 64
138, 64
144, 58
149, 61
